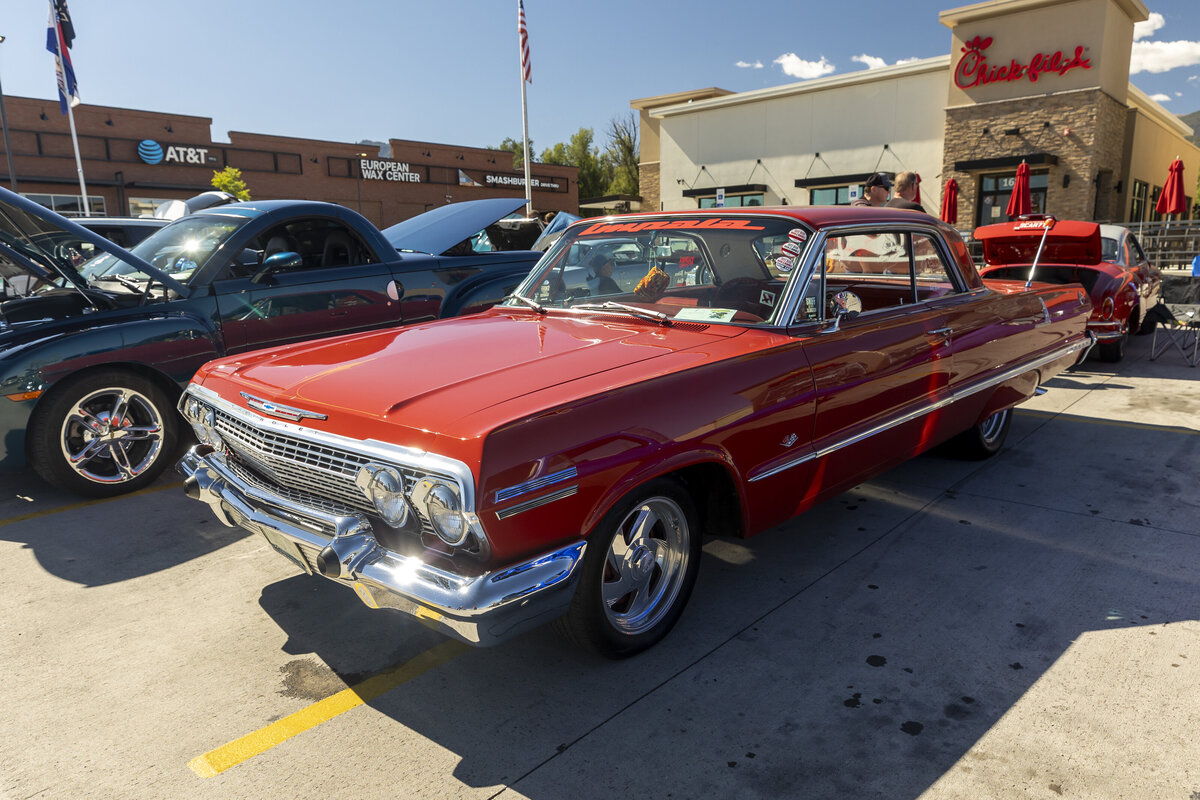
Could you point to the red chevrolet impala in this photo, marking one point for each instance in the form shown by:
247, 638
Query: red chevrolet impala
655, 378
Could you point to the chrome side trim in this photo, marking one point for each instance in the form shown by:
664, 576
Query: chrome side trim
540, 501
537, 483
981, 385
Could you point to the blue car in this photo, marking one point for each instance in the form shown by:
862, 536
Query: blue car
94, 352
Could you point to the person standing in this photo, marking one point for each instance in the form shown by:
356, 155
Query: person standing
875, 191
906, 192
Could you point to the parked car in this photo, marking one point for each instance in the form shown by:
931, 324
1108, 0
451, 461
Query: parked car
1106, 259
92, 361
563, 455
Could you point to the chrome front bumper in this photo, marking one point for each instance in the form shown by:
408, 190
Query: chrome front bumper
480, 609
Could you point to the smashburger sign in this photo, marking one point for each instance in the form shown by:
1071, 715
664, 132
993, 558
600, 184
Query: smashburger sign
973, 68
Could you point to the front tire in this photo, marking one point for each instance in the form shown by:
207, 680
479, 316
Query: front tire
985, 439
103, 433
638, 572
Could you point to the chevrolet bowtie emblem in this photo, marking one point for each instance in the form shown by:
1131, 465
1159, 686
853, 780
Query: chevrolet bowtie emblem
277, 410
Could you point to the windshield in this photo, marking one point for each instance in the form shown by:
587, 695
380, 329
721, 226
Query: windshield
705, 269
179, 249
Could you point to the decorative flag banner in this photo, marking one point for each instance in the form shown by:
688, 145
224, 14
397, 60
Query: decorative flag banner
57, 43
523, 32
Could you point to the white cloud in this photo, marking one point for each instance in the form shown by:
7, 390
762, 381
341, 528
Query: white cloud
1161, 98
797, 67
1143, 29
748, 65
908, 60
1193, 78
872, 62
1163, 56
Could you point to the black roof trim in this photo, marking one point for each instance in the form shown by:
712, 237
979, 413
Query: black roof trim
712, 190
1032, 159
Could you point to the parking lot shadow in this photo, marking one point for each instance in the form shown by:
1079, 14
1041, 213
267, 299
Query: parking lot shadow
862, 650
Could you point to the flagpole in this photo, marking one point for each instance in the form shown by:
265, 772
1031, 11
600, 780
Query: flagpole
87, 207
524, 121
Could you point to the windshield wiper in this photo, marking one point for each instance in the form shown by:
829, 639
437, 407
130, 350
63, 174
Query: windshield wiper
534, 304
642, 313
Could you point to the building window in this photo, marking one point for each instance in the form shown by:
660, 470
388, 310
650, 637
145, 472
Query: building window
732, 200
145, 206
994, 191
68, 204
832, 195
1154, 215
1137, 208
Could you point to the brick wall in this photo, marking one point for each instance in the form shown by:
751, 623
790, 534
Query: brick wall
1085, 129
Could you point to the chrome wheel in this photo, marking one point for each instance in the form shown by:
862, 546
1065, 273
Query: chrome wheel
994, 427
646, 564
111, 435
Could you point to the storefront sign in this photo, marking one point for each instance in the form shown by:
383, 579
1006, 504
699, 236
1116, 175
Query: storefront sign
376, 170
515, 180
974, 70
152, 152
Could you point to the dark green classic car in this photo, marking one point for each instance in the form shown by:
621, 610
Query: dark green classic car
94, 352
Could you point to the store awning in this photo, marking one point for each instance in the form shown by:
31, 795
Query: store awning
1003, 162
746, 188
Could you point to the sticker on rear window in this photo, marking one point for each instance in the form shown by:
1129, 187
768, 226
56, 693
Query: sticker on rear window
784, 264
797, 234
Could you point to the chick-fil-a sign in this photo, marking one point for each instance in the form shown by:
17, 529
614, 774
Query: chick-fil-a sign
974, 70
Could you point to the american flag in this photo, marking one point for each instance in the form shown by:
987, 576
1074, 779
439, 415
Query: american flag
523, 32
57, 42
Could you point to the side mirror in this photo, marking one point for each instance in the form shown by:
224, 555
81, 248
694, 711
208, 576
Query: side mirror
846, 305
278, 262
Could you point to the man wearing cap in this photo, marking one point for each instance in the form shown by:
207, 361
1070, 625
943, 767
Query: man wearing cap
906, 192
875, 191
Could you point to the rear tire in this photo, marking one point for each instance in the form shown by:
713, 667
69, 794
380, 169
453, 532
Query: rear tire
103, 433
985, 439
638, 572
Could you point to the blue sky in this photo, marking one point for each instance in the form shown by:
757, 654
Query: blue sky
448, 71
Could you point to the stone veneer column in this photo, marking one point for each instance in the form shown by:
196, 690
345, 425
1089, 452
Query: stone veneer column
648, 186
1085, 129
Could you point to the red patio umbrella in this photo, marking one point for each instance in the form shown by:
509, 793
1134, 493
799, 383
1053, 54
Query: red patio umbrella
1019, 202
917, 198
1172, 201
950, 202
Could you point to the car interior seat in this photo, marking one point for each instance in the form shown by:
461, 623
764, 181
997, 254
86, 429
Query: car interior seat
338, 251
280, 242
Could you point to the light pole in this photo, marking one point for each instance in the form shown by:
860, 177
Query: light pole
8, 157
358, 179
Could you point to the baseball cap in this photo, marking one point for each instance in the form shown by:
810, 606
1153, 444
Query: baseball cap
879, 179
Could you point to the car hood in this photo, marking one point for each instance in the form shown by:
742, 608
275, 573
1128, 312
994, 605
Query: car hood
439, 229
430, 376
30, 235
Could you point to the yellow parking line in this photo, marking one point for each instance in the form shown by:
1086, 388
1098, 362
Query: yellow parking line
84, 504
214, 762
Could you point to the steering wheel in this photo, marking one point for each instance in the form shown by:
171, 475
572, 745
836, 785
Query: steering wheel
740, 294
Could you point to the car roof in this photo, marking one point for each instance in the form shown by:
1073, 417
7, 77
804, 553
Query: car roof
814, 216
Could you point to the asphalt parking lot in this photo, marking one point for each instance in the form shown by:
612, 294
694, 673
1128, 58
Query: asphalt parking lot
1028, 626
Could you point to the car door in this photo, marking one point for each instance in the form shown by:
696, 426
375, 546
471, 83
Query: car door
882, 374
337, 285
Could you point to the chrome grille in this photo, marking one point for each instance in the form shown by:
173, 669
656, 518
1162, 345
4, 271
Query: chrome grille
306, 472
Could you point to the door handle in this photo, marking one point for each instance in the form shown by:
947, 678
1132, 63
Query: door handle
942, 332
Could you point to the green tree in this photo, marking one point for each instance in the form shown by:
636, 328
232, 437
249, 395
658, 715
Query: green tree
517, 148
622, 155
594, 173
230, 180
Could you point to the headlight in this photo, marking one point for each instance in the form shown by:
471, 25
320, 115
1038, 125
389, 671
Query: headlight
191, 409
446, 514
444, 509
206, 432
385, 488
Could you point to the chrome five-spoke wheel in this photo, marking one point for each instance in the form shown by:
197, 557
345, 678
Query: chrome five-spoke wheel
103, 433
638, 571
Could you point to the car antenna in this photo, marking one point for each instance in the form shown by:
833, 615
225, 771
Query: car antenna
1048, 221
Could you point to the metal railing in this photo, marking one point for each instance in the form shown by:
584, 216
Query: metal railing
1168, 245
